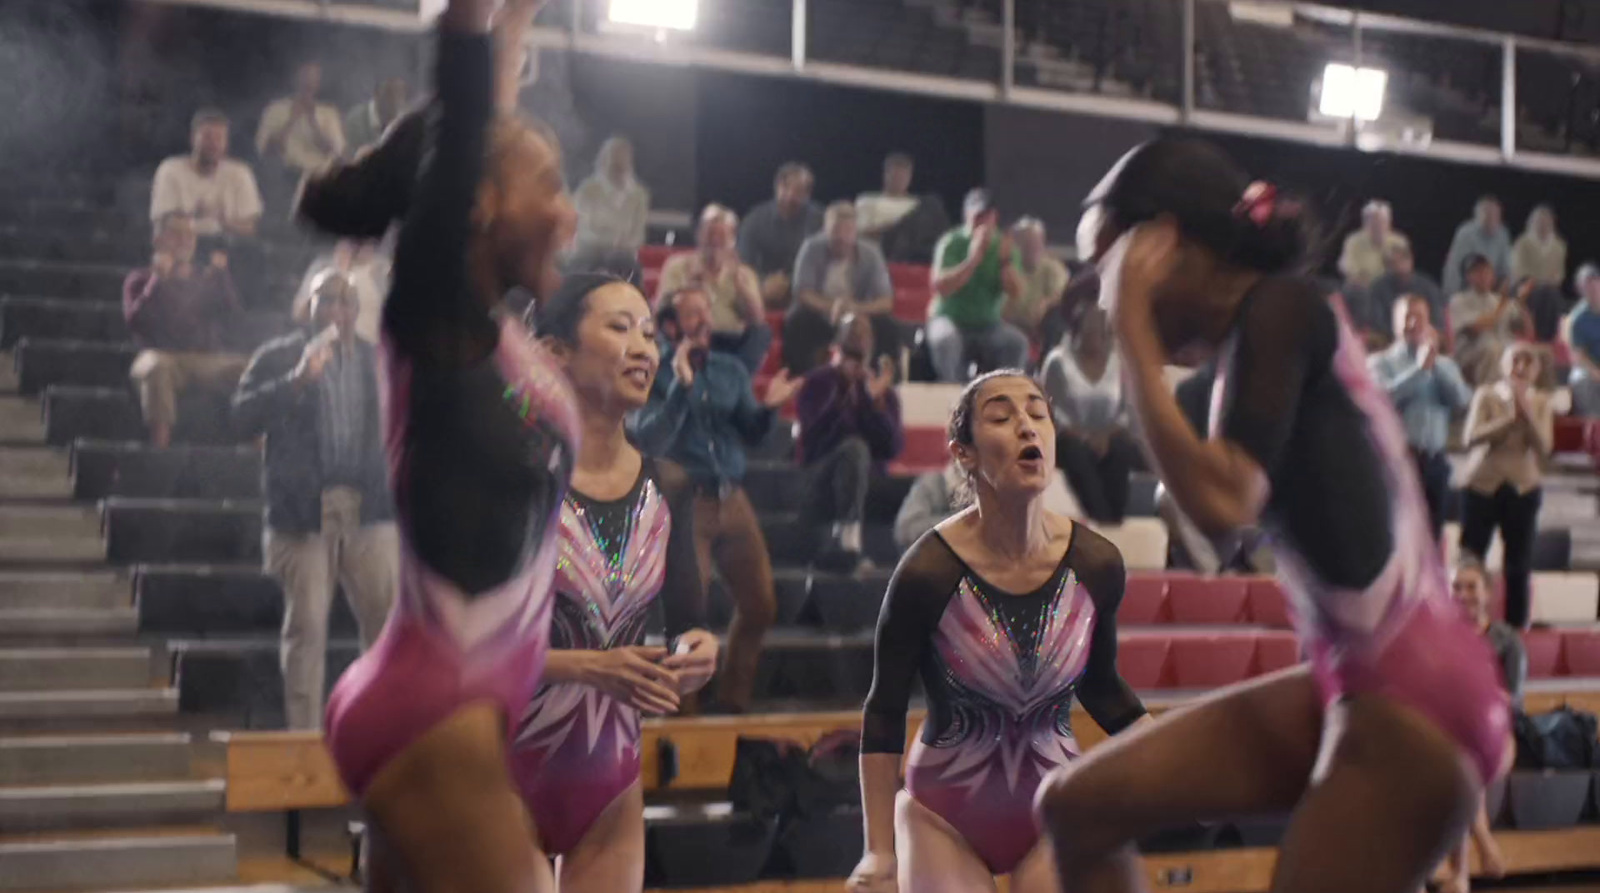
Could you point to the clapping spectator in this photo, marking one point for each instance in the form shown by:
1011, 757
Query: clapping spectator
1084, 382
329, 517
1540, 253
976, 269
1484, 236
738, 322
1483, 321
1365, 251
178, 315
771, 235
1044, 280
1510, 431
1581, 331
613, 210
838, 274
217, 193
702, 415
365, 123
1400, 280
850, 427
934, 496
1427, 389
878, 212
299, 135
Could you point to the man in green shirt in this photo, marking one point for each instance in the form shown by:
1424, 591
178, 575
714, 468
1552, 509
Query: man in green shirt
975, 270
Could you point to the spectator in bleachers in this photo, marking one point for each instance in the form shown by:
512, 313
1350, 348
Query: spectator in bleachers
1483, 321
1485, 236
1084, 382
364, 123
1581, 331
298, 134
738, 321
1365, 251
1472, 590
217, 193
838, 274
613, 210
1510, 431
368, 264
976, 270
178, 316
702, 415
329, 517
850, 428
1402, 279
878, 212
1427, 389
1540, 253
1044, 280
933, 497
771, 235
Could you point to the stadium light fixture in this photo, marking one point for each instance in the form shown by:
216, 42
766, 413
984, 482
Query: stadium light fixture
678, 15
1350, 92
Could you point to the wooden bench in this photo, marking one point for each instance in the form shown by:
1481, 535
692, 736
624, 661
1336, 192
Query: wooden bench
290, 772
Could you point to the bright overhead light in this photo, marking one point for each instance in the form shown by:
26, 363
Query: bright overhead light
1349, 92
676, 14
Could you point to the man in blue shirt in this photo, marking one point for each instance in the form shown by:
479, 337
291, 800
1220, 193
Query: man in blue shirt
1581, 331
1484, 234
702, 415
1427, 388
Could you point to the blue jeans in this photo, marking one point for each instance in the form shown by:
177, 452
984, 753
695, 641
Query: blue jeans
1000, 346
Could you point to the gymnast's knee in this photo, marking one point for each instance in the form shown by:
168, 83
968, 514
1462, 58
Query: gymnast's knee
1073, 816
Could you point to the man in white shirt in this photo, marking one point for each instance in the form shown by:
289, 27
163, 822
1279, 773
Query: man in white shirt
216, 192
878, 211
299, 133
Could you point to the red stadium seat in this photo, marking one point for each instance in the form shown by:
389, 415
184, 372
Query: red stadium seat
649, 281
1570, 434
651, 257
909, 276
775, 320
1544, 653
911, 303
1275, 651
1268, 605
1209, 660
1210, 600
1144, 601
1582, 650
1142, 660
926, 448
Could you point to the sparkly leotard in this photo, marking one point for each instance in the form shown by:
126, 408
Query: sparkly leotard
481, 432
626, 569
1000, 672
1365, 579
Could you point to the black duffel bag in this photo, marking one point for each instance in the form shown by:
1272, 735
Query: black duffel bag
1564, 738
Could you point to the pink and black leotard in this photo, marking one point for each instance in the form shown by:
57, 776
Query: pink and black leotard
481, 432
1000, 672
626, 570
1365, 579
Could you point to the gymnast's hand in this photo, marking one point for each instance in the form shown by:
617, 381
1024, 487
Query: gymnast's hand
875, 873
695, 660
1147, 264
634, 675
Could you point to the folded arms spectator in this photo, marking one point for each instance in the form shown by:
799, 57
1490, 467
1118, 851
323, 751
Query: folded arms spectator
1540, 253
1084, 382
837, 274
178, 315
613, 210
1365, 251
771, 235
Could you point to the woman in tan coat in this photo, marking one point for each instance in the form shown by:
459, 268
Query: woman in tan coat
1510, 430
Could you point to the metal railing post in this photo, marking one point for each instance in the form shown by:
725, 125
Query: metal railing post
1190, 76
797, 35
1008, 47
1508, 99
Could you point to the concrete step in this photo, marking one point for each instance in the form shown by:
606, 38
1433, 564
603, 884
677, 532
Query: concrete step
21, 420
183, 858
67, 759
36, 549
34, 473
119, 804
81, 590
119, 708
59, 623
56, 669
35, 487
75, 522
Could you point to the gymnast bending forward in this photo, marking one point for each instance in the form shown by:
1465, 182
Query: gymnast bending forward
481, 433
626, 570
1007, 612
1382, 745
